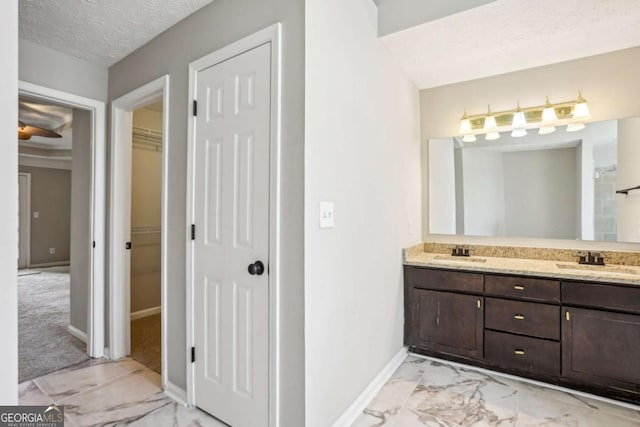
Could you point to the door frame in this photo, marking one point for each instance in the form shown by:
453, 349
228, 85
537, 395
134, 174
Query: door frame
120, 208
95, 312
270, 35
27, 232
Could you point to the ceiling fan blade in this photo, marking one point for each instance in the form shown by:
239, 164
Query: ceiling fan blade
23, 135
38, 131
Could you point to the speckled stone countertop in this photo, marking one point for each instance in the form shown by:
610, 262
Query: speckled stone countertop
554, 268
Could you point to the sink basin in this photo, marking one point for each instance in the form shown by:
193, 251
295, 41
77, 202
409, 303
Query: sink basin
597, 268
463, 259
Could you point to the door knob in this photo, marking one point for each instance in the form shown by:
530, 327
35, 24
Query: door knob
257, 268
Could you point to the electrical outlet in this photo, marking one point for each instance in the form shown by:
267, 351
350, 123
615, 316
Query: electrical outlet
52, 251
326, 215
36, 214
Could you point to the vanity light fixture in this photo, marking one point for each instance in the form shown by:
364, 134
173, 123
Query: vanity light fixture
544, 117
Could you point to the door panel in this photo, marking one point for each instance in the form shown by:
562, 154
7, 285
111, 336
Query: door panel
231, 189
24, 218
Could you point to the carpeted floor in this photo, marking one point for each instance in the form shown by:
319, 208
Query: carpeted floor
45, 345
145, 342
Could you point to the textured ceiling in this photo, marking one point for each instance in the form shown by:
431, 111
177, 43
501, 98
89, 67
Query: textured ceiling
100, 31
512, 35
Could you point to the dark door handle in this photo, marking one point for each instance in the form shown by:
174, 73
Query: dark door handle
257, 268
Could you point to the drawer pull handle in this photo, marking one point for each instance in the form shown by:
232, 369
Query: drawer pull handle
519, 352
518, 317
518, 287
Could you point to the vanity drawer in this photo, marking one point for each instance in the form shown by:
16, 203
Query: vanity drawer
447, 280
602, 297
526, 318
523, 288
523, 353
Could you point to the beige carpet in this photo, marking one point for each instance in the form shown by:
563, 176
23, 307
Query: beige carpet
145, 342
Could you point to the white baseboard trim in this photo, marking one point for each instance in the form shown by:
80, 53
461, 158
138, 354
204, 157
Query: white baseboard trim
50, 264
106, 354
146, 312
82, 336
176, 393
355, 410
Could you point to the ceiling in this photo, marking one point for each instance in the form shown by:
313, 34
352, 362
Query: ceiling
511, 35
100, 31
48, 116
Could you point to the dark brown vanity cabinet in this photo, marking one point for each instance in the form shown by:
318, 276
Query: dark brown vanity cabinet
441, 321
582, 335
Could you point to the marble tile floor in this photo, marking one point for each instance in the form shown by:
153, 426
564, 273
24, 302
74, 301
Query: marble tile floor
111, 393
426, 392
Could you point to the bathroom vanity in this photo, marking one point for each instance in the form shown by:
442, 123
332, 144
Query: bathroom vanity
573, 326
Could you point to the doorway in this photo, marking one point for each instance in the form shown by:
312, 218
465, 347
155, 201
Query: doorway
61, 319
232, 264
137, 261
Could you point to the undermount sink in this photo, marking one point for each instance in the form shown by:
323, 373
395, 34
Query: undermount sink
464, 259
599, 268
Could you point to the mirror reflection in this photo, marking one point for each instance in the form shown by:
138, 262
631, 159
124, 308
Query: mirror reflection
562, 185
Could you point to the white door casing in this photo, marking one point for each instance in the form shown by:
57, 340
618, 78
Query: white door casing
231, 211
24, 219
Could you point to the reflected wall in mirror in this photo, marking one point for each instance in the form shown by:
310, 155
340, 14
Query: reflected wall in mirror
561, 186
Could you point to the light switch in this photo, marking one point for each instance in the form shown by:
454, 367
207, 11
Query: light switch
326, 215
36, 214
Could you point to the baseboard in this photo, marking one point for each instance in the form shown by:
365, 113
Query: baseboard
50, 264
176, 393
355, 410
82, 336
146, 312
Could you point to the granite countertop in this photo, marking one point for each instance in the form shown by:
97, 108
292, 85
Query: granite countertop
611, 273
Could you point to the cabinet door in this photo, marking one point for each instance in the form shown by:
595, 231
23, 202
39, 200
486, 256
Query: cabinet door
601, 347
448, 322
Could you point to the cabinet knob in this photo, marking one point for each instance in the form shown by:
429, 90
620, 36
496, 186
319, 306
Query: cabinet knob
519, 352
518, 317
518, 287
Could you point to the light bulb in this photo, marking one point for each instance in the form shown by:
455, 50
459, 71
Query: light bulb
581, 109
465, 124
492, 136
517, 133
546, 130
490, 121
549, 113
574, 127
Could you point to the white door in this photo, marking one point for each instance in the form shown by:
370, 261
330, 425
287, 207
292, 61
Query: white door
24, 218
231, 213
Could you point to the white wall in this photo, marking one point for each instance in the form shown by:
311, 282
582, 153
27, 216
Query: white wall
58, 70
484, 192
442, 186
80, 219
211, 28
628, 176
9, 197
362, 140
541, 193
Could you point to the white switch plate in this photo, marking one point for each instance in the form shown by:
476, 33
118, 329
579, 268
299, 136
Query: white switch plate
36, 214
326, 215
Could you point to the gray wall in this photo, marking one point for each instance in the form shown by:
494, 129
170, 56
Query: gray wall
57, 70
397, 15
9, 197
211, 28
80, 218
541, 193
51, 198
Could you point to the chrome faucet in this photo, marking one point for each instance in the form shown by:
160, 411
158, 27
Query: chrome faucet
459, 251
